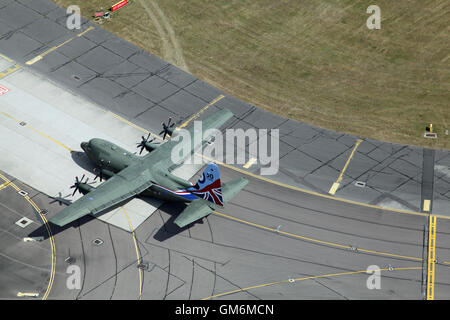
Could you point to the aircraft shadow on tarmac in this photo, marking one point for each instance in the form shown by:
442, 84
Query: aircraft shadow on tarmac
81, 159
167, 230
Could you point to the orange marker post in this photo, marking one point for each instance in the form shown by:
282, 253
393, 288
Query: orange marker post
119, 5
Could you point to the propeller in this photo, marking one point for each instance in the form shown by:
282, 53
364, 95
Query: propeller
167, 128
144, 141
77, 183
100, 170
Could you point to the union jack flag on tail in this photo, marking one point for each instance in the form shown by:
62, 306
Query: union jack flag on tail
208, 187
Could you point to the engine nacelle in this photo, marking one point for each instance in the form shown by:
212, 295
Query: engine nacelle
85, 188
150, 146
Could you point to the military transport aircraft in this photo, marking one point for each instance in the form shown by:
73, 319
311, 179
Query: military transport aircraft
129, 175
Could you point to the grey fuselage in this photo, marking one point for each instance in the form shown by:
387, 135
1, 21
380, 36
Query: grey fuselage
113, 159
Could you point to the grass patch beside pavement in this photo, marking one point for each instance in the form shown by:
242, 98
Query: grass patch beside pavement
314, 61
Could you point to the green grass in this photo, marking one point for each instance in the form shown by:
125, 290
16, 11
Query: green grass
314, 61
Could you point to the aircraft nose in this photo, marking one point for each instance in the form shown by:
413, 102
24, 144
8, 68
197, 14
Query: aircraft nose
84, 145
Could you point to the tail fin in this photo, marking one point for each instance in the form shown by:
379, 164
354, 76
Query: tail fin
208, 187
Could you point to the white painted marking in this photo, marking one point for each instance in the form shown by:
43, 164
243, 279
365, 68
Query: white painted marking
3, 90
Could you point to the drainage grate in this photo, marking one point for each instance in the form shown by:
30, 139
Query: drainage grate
23, 222
76, 77
44, 211
23, 123
360, 184
23, 193
98, 242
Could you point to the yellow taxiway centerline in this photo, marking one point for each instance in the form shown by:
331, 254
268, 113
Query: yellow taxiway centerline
431, 257
316, 240
249, 163
335, 185
195, 116
269, 181
137, 251
262, 178
50, 234
42, 55
305, 278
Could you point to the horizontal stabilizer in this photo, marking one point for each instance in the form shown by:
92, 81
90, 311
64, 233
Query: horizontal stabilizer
196, 210
230, 189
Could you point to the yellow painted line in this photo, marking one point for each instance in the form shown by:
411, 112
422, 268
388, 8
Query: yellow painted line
37, 131
50, 234
426, 205
338, 181
4, 185
44, 135
262, 178
137, 252
85, 31
9, 71
42, 55
316, 240
195, 116
334, 188
27, 294
249, 163
290, 281
6, 58
134, 125
431, 258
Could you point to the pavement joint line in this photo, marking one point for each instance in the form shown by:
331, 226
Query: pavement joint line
137, 251
42, 55
249, 163
259, 177
255, 175
290, 281
336, 184
316, 240
431, 258
196, 115
37, 131
52, 240
317, 194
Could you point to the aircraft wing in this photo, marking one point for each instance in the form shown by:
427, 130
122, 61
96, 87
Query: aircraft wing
162, 155
122, 186
197, 209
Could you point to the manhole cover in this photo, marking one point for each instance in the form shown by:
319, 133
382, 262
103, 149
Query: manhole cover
360, 184
23, 193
